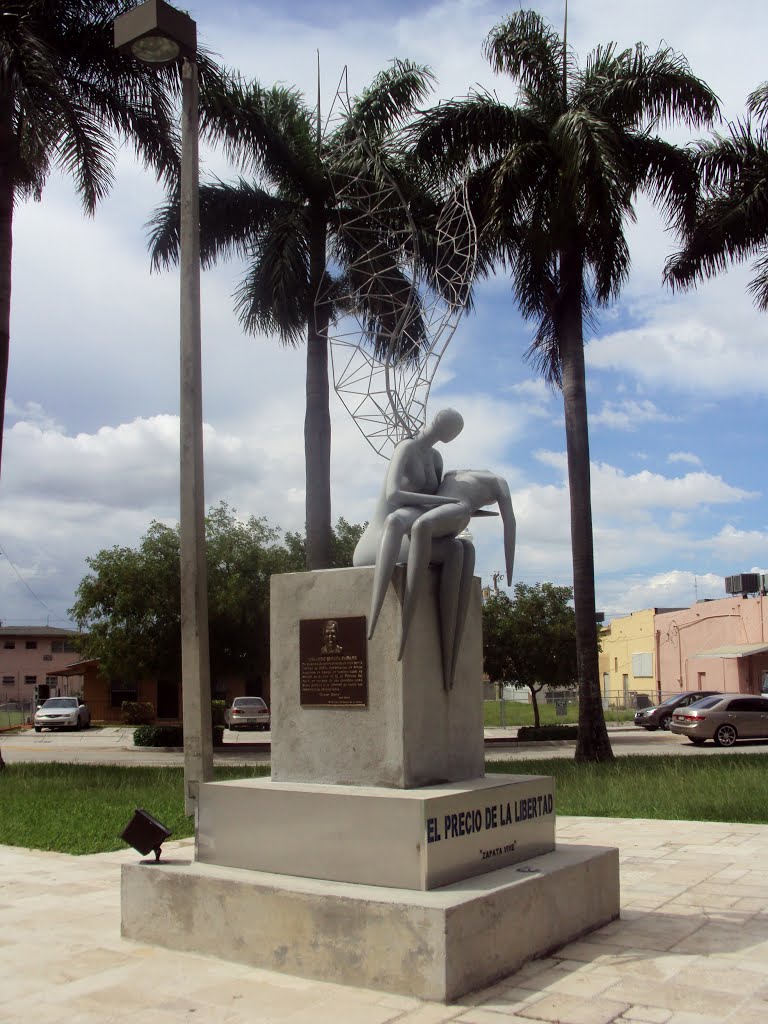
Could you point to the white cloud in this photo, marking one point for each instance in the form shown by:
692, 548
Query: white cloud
688, 457
628, 415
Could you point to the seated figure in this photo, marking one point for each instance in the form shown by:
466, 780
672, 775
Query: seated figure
418, 519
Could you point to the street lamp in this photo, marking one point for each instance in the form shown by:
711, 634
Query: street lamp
158, 34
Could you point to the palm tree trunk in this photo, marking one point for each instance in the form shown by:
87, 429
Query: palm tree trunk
7, 149
317, 420
592, 743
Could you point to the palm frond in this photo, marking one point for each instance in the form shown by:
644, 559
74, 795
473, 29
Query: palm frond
462, 134
732, 223
275, 294
757, 102
232, 217
389, 100
530, 51
267, 132
636, 87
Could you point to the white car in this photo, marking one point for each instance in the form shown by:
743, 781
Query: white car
62, 713
247, 712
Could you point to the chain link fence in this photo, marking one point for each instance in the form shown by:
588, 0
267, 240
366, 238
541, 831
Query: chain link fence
14, 714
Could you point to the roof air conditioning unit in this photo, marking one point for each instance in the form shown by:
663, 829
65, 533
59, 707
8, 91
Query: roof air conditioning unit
744, 583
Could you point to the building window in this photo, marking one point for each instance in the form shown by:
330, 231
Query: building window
30, 680
120, 690
642, 666
62, 647
52, 680
31, 645
9, 645
9, 680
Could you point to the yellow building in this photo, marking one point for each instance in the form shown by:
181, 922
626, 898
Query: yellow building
629, 659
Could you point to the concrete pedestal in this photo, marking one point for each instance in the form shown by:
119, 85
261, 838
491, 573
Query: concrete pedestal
413, 732
408, 839
378, 854
433, 945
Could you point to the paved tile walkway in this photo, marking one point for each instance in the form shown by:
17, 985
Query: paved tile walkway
691, 948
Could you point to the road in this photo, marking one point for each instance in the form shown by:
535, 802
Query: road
115, 746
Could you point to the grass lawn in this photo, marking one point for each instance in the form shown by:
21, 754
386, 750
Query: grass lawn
731, 787
513, 712
83, 809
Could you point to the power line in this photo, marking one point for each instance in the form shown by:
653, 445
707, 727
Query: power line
21, 578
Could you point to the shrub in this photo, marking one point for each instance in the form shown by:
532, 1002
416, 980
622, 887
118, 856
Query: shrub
218, 707
158, 736
137, 712
548, 732
169, 736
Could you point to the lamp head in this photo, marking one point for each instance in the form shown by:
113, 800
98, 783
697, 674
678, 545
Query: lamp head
156, 33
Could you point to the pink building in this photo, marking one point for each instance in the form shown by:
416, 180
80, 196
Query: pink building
714, 645
29, 655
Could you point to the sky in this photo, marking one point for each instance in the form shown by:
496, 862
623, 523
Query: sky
677, 384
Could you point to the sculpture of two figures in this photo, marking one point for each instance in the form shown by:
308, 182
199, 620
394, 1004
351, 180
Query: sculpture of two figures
419, 519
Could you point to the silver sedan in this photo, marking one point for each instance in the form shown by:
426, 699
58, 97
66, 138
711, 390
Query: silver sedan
62, 713
723, 718
247, 712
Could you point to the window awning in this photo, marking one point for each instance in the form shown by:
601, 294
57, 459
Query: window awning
733, 651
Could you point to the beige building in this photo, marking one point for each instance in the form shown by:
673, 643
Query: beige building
629, 659
29, 655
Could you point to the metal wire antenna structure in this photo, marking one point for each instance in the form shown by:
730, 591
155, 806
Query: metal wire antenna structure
394, 310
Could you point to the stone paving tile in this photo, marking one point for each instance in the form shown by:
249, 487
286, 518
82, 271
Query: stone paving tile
430, 1013
646, 1015
675, 995
559, 1009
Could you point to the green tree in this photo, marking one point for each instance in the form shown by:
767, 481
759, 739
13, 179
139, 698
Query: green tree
344, 538
128, 605
559, 172
290, 227
531, 641
732, 222
67, 97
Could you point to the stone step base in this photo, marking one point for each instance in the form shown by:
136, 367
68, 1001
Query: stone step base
435, 945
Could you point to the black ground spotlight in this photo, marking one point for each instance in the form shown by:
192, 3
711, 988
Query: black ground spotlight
145, 833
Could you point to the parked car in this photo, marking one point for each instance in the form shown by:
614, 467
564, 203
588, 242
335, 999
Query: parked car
247, 713
659, 716
724, 719
62, 713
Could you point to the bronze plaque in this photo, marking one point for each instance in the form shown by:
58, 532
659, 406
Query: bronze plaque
333, 667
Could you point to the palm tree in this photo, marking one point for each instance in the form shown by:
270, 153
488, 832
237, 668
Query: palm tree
559, 171
732, 224
65, 95
290, 226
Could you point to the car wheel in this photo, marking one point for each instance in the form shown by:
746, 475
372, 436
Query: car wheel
697, 741
38, 728
666, 723
725, 736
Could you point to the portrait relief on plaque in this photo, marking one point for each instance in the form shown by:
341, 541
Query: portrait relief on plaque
333, 667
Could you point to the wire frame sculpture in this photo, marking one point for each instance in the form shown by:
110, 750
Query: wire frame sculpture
396, 304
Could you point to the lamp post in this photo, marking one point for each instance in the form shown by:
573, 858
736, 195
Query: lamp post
158, 34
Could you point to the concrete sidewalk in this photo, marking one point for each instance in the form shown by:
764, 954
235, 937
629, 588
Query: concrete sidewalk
691, 947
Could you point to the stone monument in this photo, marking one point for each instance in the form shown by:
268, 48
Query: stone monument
378, 853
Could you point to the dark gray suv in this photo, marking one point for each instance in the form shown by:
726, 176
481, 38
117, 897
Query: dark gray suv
660, 716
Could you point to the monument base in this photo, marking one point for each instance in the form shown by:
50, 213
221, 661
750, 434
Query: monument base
435, 945
399, 838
